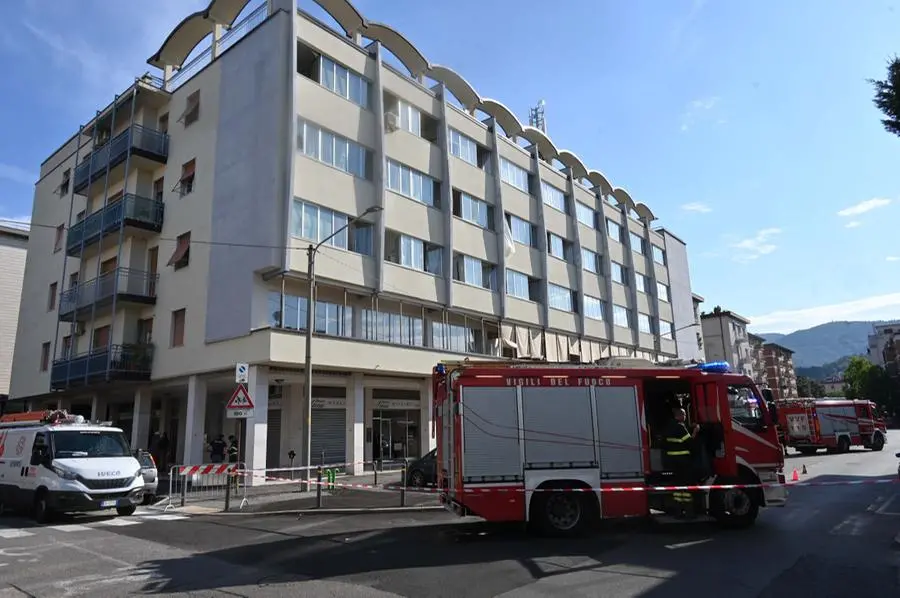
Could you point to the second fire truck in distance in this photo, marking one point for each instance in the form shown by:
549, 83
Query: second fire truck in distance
550, 444
832, 424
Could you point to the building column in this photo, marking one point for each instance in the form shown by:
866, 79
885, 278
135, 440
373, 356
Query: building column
218, 31
140, 422
426, 442
64, 404
356, 425
194, 419
98, 408
258, 424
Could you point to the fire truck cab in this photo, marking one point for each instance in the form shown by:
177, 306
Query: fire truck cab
561, 445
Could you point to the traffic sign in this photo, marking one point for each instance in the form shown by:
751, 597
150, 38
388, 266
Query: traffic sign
241, 373
240, 405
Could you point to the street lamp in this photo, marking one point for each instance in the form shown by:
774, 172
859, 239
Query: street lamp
310, 315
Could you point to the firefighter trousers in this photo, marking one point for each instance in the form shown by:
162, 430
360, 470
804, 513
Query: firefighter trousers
683, 476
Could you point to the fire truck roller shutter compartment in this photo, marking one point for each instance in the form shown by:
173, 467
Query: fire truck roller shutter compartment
621, 449
491, 450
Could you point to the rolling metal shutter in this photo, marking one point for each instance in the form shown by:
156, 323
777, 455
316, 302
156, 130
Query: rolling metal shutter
328, 436
273, 439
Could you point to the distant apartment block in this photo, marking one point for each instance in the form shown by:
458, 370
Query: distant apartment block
780, 374
834, 384
757, 358
725, 338
13, 249
881, 349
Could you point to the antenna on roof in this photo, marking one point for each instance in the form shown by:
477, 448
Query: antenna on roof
536, 116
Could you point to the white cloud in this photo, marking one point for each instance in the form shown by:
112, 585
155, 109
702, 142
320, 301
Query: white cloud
853, 224
17, 175
756, 246
696, 109
878, 307
864, 206
696, 206
892, 258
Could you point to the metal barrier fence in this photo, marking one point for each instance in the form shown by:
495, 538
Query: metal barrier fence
204, 482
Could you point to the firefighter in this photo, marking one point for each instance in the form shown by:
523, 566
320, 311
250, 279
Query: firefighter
679, 457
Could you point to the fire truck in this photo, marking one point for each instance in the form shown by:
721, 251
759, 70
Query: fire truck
561, 446
832, 424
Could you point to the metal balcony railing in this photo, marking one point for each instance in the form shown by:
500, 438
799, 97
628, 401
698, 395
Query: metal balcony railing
131, 362
137, 139
131, 210
130, 285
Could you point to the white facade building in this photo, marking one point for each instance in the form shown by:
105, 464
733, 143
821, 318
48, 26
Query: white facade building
175, 226
13, 247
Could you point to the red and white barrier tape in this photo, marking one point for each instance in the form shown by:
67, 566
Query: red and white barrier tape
207, 469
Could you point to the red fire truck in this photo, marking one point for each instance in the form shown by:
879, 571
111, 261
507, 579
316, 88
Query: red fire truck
833, 424
561, 445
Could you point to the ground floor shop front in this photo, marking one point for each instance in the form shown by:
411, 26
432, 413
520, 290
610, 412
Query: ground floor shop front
357, 419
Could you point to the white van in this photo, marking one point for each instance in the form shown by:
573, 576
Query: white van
52, 462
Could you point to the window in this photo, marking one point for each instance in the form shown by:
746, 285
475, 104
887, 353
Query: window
60, 235
585, 215
413, 184
617, 271
163, 123
473, 271
333, 150
463, 148
746, 406
186, 182
620, 316
662, 291
614, 231
181, 257
414, 253
642, 282
158, 189
192, 109
388, 327
63, 188
66, 351
637, 243
100, 339
561, 298
514, 175
522, 230
590, 261
73, 280
344, 82
51, 297
476, 211
666, 329
410, 118
177, 335
454, 337
659, 255
644, 324
593, 308
45, 357
315, 223
558, 247
553, 197
518, 285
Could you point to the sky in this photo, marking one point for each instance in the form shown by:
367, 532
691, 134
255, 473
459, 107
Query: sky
747, 127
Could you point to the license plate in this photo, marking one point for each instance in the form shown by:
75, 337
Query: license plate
106, 504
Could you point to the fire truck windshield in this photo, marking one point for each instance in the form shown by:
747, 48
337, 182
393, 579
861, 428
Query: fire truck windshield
746, 406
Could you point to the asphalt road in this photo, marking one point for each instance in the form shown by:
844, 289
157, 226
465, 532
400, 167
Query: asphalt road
829, 541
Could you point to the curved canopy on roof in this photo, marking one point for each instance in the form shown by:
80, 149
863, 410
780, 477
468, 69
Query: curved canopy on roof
621, 196
191, 31
503, 115
458, 86
544, 145
599, 181
346, 15
644, 212
574, 163
399, 46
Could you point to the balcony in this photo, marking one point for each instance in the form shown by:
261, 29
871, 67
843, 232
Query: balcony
115, 363
137, 140
122, 285
132, 211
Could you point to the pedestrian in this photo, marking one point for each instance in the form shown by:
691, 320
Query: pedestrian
679, 458
217, 449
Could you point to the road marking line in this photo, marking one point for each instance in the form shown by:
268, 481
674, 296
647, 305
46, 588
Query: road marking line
11, 534
882, 510
71, 527
116, 522
687, 544
165, 517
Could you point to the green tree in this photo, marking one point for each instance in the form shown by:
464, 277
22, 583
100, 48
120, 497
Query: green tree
817, 389
864, 380
807, 387
887, 96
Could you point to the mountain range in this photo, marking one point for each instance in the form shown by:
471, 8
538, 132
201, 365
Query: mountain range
824, 344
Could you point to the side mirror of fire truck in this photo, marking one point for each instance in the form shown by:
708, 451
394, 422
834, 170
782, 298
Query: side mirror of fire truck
770, 403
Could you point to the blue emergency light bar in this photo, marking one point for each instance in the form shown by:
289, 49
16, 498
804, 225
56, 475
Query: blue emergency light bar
440, 369
714, 367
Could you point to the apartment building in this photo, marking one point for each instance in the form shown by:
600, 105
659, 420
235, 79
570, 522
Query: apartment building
176, 224
13, 247
725, 338
757, 358
882, 338
780, 374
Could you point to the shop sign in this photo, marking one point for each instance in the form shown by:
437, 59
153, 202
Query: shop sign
329, 403
394, 404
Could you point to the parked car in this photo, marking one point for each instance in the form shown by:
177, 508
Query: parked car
423, 471
148, 469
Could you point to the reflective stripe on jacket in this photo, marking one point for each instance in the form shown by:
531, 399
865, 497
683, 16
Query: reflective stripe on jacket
678, 440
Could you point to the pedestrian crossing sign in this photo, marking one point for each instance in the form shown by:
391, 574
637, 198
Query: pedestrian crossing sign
240, 401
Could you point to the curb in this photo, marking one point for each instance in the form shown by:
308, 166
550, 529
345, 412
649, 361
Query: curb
327, 511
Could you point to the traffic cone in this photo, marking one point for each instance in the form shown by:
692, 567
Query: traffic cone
795, 477
804, 469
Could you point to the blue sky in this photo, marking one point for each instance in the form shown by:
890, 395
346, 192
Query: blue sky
747, 127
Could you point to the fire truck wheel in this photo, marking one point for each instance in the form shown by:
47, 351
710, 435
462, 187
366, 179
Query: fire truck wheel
843, 445
878, 442
560, 513
734, 508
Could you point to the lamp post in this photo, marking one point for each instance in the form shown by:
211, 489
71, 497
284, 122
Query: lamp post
310, 320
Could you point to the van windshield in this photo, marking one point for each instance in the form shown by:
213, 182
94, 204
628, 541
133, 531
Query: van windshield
69, 444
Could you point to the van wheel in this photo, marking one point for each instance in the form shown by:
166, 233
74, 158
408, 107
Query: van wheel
40, 510
560, 514
126, 511
878, 442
